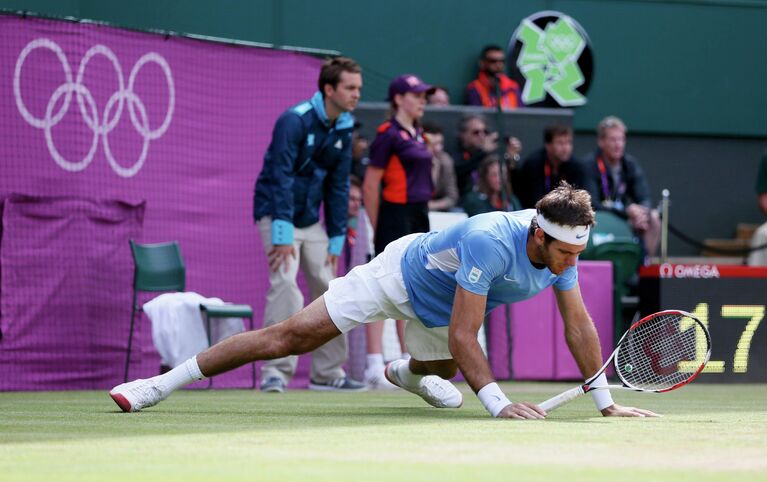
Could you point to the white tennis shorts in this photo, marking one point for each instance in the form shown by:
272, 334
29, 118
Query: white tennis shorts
376, 291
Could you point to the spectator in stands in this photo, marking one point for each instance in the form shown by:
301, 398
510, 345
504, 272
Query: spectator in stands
616, 183
759, 257
360, 145
445, 195
475, 143
491, 81
542, 170
487, 194
309, 158
438, 96
400, 163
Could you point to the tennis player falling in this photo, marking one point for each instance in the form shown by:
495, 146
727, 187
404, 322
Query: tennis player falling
443, 283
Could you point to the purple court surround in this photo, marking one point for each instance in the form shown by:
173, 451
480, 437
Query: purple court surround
197, 115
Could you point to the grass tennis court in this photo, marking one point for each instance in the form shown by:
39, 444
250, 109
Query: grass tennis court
709, 432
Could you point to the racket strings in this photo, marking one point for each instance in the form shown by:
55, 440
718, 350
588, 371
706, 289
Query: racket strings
649, 358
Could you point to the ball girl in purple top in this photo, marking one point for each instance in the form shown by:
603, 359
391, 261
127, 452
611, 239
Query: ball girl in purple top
397, 188
398, 181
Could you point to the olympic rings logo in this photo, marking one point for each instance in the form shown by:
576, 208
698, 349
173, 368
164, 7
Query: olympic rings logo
109, 118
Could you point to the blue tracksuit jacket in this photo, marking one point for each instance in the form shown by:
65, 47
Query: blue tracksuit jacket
307, 163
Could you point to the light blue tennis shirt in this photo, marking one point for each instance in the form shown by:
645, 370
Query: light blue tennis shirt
486, 254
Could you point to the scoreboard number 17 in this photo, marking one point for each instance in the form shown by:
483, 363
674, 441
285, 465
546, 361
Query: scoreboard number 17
754, 314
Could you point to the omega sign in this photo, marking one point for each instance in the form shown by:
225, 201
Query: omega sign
704, 271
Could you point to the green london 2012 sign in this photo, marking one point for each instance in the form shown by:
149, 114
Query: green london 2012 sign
550, 52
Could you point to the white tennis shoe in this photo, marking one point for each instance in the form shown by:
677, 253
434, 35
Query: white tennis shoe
138, 394
375, 378
436, 391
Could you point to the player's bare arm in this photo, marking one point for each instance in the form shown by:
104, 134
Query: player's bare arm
466, 319
583, 341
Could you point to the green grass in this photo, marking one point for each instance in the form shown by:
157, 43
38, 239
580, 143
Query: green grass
709, 432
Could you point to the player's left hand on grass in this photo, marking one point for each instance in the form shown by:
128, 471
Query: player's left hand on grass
522, 411
616, 410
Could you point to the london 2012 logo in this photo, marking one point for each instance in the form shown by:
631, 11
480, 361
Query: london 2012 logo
100, 122
550, 55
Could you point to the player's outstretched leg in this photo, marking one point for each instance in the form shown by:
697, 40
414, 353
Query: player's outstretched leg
301, 333
436, 391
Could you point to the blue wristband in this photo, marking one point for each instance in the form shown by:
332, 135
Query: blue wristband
282, 232
335, 245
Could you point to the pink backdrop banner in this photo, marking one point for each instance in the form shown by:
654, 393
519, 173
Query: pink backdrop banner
101, 116
538, 347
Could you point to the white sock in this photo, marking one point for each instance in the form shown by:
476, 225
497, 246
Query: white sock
405, 355
375, 360
407, 377
182, 375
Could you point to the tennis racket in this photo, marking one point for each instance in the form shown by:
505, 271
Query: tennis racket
659, 353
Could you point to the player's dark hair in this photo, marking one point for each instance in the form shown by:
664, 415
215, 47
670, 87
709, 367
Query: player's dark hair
566, 206
330, 74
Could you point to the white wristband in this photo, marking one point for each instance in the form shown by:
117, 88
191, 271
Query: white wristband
602, 398
493, 399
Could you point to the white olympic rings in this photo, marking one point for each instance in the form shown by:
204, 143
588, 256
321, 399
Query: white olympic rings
87, 105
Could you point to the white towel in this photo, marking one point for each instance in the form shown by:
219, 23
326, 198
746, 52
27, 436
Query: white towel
178, 330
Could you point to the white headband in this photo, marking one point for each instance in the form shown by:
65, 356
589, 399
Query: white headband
578, 235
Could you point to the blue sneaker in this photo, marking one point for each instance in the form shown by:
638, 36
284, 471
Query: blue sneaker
273, 385
343, 384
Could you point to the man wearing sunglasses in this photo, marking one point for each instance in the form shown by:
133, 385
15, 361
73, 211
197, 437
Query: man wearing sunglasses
475, 142
491, 80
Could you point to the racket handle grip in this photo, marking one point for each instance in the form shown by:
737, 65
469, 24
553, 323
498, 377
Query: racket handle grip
561, 399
